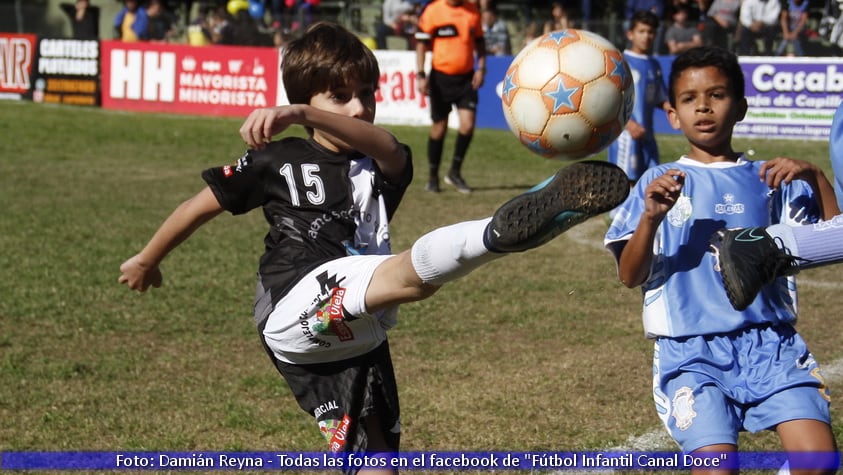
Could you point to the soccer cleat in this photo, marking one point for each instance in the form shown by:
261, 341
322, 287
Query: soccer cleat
571, 196
455, 179
432, 184
748, 260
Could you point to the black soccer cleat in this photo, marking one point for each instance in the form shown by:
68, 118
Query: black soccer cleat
574, 194
748, 260
432, 184
454, 179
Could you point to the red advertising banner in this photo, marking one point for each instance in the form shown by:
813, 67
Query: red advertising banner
219, 80
17, 56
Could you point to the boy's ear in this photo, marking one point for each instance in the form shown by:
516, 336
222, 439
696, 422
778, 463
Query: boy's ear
742, 108
673, 118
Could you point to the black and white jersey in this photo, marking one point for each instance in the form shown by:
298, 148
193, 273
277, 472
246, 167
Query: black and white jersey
311, 204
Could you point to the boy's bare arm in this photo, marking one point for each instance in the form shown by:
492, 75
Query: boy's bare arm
637, 255
362, 136
784, 170
141, 270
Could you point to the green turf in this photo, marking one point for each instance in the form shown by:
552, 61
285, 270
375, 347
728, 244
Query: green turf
542, 350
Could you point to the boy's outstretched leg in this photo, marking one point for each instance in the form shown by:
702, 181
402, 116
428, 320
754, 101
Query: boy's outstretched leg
571, 196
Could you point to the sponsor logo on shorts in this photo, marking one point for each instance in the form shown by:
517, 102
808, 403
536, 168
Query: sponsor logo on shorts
340, 436
332, 318
683, 408
328, 427
227, 171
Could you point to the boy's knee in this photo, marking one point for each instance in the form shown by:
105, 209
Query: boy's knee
426, 290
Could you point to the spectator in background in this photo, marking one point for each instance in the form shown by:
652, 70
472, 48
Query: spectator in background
585, 14
721, 27
244, 30
84, 19
303, 11
682, 36
559, 19
199, 30
395, 15
131, 22
162, 22
531, 32
793, 22
759, 20
498, 42
276, 9
696, 9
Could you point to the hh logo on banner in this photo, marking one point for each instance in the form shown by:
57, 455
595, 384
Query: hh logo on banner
183, 79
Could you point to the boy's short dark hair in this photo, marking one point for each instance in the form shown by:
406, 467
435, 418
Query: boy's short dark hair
646, 17
681, 8
325, 57
703, 56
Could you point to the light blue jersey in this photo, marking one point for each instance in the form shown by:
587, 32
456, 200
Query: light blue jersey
684, 295
631, 155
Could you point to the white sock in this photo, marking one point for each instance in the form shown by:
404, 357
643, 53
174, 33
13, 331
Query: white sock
449, 253
819, 244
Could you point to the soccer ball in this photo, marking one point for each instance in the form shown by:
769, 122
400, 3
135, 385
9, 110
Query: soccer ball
568, 94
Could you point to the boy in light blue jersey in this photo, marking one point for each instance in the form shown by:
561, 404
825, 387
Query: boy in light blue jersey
718, 371
636, 150
751, 259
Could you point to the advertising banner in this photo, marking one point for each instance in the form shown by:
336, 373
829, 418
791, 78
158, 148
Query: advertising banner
67, 72
219, 80
17, 57
398, 99
791, 97
489, 108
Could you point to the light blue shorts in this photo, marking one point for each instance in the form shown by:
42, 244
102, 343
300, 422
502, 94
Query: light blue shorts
709, 388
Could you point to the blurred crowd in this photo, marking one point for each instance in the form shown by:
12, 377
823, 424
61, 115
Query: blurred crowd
747, 27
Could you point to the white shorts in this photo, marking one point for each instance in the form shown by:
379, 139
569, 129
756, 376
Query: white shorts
323, 317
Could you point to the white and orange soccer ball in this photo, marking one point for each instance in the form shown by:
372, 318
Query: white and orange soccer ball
568, 94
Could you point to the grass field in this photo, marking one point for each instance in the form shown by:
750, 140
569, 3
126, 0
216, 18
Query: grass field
543, 350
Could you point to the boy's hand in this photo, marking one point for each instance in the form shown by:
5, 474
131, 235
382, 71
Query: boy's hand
661, 194
636, 130
263, 124
784, 170
138, 275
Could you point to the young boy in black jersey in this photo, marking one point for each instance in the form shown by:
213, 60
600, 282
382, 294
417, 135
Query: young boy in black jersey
329, 286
